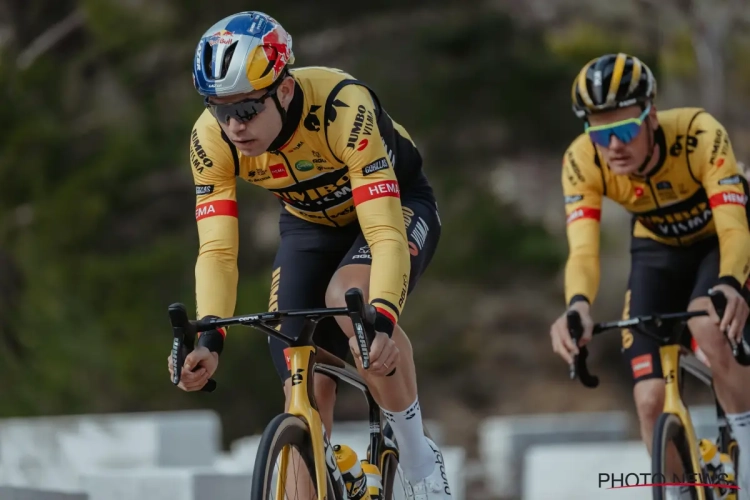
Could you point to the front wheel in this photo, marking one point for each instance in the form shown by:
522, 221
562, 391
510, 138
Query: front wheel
286, 430
669, 429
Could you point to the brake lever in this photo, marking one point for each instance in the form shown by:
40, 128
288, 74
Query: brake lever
363, 320
579, 366
740, 350
183, 341
575, 328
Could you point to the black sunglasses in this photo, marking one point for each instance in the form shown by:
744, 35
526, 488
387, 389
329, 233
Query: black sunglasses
242, 111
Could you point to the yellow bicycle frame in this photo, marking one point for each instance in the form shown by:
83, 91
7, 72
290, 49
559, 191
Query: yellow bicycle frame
301, 361
670, 360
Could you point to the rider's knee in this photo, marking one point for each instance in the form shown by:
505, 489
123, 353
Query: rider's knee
351, 276
709, 338
649, 400
335, 294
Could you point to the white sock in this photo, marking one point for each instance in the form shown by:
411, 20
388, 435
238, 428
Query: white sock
416, 457
740, 424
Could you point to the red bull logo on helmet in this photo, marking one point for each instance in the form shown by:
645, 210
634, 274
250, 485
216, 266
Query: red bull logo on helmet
223, 37
278, 48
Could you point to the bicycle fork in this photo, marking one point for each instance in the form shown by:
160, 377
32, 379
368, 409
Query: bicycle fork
670, 358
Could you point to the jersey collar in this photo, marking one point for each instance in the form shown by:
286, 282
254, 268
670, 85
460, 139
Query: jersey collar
661, 141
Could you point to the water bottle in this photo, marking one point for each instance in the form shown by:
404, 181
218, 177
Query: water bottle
374, 480
720, 468
351, 469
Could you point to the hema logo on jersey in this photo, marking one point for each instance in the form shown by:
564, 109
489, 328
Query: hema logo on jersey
376, 190
214, 208
584, 213
728, 198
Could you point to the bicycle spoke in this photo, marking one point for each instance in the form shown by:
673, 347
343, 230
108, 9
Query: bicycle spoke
294, 477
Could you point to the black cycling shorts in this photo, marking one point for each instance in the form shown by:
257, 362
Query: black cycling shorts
308, 256
663, 279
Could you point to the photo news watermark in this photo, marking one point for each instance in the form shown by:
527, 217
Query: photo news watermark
612, 481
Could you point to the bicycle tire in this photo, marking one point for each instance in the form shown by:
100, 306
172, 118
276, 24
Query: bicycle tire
669, 429
284, 430
733, 450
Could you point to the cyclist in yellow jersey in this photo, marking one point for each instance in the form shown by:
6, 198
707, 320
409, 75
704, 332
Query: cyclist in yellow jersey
676, 173
356, 210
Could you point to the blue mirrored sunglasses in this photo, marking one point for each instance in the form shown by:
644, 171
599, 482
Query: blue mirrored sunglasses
624, 130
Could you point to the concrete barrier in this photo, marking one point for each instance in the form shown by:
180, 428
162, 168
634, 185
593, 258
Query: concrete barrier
11, 493
503, 441
577, 471
52, 452
704, 421
166, 483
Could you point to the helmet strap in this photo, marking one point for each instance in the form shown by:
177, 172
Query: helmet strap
281, 109
290, 117
651, 144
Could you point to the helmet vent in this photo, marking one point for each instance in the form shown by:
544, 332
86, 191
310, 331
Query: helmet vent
207, 56
226, 59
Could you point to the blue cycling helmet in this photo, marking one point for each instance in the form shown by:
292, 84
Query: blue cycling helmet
241, 53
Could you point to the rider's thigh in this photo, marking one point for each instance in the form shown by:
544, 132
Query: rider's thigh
661, 278
704, 331
649, 399
307, 257
423, 229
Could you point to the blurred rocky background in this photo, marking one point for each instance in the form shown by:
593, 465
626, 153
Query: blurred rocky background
98, 237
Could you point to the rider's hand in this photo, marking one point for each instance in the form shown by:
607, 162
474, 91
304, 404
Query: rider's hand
562, 343
206, 362
384, 354
735, 313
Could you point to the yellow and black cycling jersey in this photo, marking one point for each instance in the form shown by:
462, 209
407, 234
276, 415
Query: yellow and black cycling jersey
343, 159
695, 192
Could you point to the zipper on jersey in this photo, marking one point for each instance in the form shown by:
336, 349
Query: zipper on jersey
658, 207
291, 172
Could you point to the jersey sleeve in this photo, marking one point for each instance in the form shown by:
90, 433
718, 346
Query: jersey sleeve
715, 167
354, 138
583, 191
213, 166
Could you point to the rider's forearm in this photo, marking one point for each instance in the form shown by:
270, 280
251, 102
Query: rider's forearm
734, 244
582, 268
389, 278
216, 279
216, 273
581, 278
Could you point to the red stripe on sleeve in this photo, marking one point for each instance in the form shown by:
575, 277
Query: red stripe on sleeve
376, 190
386, 314
214, 208
584, 213
727, 198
